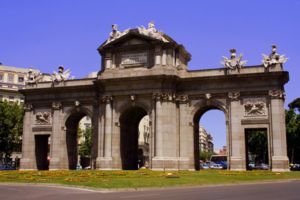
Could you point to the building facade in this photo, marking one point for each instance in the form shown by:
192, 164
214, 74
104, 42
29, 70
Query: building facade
205, 140
145, 72
11, 80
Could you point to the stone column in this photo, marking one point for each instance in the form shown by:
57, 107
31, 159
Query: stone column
165, 133
186, 135
28, 161
58, 150
280, 161
95, 136
106, 160
236, 133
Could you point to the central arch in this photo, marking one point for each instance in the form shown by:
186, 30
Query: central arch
129, 122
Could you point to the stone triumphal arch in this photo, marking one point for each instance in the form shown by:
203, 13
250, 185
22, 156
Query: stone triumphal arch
144, 72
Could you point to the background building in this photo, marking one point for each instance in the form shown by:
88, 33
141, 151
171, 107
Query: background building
11, 80
205, 140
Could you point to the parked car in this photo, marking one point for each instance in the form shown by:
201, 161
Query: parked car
262, 166
7, 167
216, 166
295, 167
204, 166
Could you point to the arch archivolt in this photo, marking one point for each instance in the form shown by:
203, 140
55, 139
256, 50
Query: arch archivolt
77, 109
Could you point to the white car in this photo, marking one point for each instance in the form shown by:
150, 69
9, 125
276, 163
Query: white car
216, 166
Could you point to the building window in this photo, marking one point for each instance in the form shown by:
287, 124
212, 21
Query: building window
21, 79
10, 78
1, 97
1, 77
11, 98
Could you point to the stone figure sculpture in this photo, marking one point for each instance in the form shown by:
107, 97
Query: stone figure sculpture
33, 77
152, 32
61, 75
273, 58
115, 33
233, 62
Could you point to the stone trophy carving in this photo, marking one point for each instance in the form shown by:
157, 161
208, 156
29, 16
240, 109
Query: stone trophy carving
151, 31
61, 75
43, 118
233, 62
33, 77
255, 107
273, 58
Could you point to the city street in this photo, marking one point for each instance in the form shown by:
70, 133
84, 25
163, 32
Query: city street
287, 190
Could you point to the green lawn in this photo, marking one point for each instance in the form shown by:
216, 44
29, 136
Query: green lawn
141, 178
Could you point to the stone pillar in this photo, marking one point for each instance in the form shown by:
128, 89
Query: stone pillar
58, 150
165, 133
95, 136
106, 160
236, 132
280, 161
186, 135
28, 161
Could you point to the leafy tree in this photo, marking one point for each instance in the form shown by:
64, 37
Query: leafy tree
205, 156
86, 145
292, 119
11, 127
258, 145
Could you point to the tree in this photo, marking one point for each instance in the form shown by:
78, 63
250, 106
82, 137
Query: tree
258, 145
292, 119
86, 145
11, 127
205, 156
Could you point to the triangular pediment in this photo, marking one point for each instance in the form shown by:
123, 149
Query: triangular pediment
134, 41
134, 37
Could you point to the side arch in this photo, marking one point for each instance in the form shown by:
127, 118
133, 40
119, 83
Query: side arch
71, 121
196, 113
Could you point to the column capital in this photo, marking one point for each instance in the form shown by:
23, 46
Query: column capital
183, 99
277, 94
234, 96
56, 105
107, 99
164, 97
28, 107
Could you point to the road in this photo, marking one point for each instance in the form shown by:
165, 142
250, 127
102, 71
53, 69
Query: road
284, 190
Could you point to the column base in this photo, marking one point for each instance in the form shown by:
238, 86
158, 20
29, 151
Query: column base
58, 164
172, 163
280, 164
237, 164
28, 164
104, 163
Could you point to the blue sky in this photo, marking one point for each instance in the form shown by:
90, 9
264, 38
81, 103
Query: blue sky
45, 34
